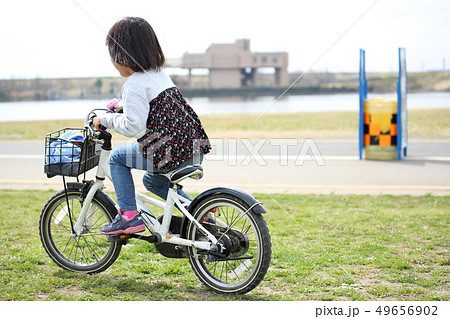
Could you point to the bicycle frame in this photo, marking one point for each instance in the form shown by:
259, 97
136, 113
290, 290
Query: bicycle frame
152, 223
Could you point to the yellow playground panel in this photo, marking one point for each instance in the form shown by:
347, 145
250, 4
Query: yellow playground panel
380, 129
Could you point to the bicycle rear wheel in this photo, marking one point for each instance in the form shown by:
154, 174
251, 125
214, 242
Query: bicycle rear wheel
90, 252
245, 245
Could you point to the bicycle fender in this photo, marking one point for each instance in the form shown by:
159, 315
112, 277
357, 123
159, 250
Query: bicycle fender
76, 186
243, 195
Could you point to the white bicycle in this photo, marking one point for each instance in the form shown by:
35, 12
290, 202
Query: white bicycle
222, 231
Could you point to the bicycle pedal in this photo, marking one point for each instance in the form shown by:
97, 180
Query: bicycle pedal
118, 237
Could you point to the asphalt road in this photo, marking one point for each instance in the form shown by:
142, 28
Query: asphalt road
274, 166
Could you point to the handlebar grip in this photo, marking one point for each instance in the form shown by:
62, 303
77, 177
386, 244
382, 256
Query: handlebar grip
102, 127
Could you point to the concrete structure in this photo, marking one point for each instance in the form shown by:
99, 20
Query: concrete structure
232, 65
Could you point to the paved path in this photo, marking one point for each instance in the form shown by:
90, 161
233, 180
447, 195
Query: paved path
275, 166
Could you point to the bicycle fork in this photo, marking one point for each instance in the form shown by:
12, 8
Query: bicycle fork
88, 208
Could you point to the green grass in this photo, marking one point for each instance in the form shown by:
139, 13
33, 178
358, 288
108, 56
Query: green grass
325, 247
421, 122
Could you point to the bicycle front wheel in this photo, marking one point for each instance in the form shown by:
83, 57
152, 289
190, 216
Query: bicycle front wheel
244, 240
89, 252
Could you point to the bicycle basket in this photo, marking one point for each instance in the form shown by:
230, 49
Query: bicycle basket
69, 152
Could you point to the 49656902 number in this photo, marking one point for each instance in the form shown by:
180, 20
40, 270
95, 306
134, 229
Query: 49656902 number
407, 310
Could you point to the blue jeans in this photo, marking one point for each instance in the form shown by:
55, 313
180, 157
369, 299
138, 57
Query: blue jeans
122, 160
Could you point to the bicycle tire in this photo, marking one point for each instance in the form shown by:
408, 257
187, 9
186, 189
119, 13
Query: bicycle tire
240, 275
88, 253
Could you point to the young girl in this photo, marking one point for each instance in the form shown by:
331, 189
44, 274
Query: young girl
169, 133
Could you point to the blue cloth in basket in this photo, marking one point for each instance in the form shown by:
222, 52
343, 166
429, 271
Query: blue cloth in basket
67, 149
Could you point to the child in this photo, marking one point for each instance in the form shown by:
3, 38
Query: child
168, 132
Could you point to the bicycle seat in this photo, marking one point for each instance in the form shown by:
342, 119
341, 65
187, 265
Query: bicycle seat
192, 171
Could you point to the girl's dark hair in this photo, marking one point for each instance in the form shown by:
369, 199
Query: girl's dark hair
133, 43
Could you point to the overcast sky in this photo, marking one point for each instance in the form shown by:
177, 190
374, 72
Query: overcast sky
66, 38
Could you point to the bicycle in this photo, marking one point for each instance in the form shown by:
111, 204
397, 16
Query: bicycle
222, 231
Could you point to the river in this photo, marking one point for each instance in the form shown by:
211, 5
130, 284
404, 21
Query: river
77, 109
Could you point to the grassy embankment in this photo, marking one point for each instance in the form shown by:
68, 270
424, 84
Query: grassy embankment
421, 123
325, 247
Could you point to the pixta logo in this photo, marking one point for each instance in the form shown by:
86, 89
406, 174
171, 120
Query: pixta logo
286, 152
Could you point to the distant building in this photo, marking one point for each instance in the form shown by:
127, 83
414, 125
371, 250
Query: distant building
232, 65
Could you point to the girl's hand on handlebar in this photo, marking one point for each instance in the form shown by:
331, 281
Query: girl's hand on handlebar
97, 122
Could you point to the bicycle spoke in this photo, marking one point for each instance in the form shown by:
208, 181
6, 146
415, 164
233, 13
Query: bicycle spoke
239, 229
94, 254
86, 248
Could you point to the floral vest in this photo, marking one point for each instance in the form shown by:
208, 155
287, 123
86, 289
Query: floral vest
174, 132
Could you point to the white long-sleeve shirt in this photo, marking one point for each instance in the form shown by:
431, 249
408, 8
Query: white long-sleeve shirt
137, 93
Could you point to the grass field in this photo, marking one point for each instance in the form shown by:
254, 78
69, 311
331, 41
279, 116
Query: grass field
324, 248
421, 123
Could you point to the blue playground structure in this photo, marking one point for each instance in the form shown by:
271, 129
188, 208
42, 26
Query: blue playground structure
402, 116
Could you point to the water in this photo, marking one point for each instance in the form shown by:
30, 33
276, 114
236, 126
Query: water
77, 109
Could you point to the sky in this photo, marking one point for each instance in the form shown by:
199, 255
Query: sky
66, 38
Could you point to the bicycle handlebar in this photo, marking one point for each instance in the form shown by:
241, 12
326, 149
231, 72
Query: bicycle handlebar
101, 134
89, 121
